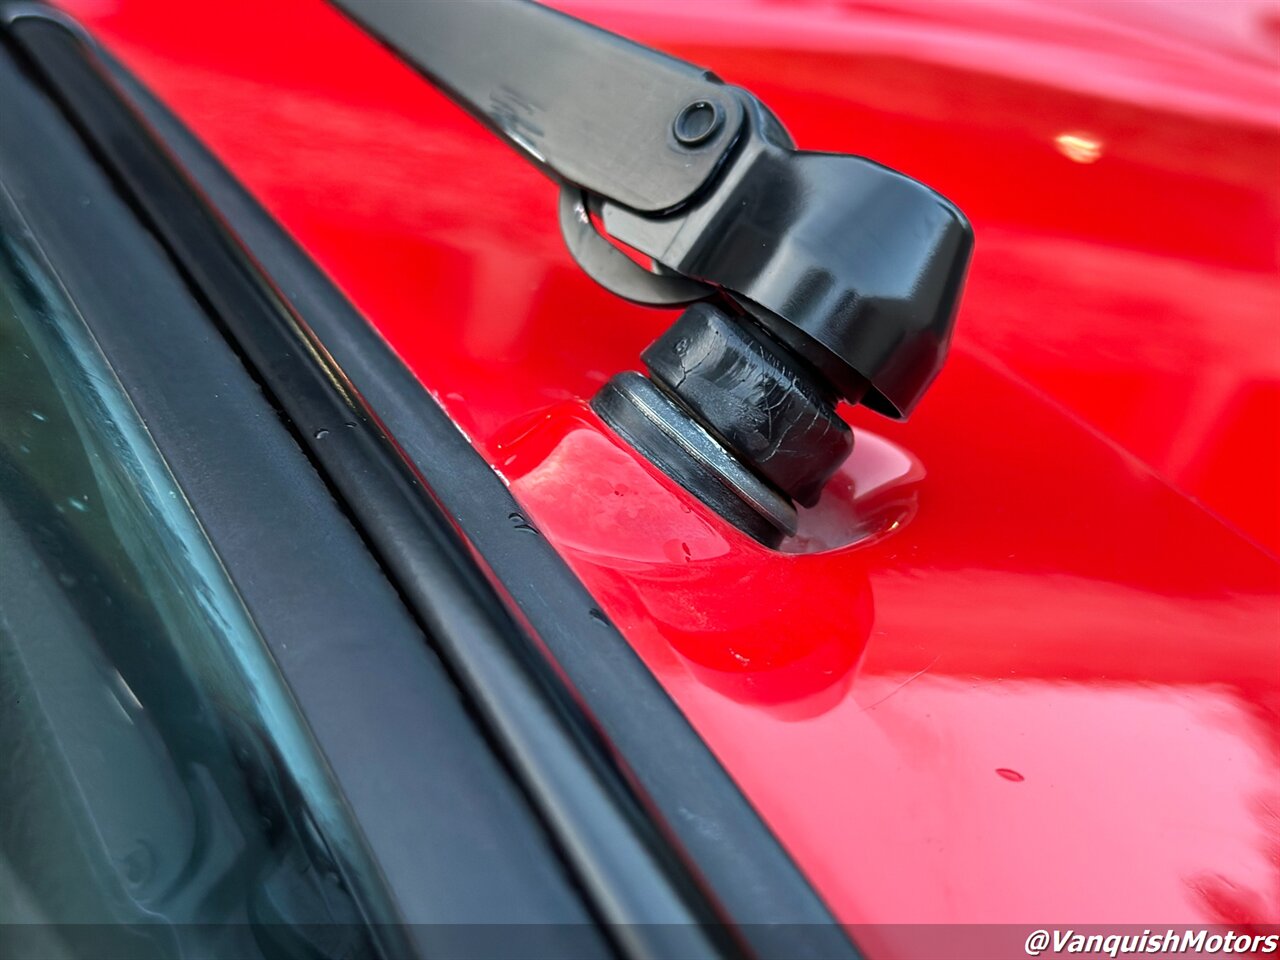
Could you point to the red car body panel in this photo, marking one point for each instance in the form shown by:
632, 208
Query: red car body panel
1023, 662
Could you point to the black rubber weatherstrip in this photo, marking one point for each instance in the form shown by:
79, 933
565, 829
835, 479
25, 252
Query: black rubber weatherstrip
750, 879
651, 906
631, 880
460, 864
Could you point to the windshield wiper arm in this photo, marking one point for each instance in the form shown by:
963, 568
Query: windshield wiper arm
833, 277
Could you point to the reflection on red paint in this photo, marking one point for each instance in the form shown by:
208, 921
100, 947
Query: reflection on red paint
727, 606
1077, 587
873, 494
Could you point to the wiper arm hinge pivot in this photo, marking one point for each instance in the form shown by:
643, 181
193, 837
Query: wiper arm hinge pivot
851, 271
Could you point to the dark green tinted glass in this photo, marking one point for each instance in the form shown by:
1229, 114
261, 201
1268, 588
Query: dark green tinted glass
159, 795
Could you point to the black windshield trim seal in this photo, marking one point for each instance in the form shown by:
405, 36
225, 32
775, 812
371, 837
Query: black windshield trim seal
670, 773
633, 881
355, 660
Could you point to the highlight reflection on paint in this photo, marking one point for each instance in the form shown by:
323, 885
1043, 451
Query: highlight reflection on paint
1078, 147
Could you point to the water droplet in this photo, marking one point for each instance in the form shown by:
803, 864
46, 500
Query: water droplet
321, 434
1012, 775
79, 503
37, 415
677, 551
520, 523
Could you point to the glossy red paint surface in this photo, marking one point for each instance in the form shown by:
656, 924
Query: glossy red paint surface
1023, 665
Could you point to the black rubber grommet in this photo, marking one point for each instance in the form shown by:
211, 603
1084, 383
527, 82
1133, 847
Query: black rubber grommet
764, 404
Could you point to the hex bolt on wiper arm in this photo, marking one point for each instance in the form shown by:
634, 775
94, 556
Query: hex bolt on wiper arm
826, 276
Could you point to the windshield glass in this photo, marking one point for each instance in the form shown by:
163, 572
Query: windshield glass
160, 795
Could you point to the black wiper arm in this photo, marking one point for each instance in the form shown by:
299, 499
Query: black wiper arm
579, 101
851, 272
